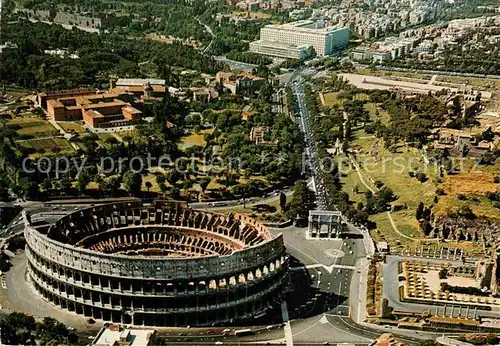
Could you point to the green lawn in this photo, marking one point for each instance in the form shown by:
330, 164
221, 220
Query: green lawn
377, 163
32, 127
72, 126
377, 113
473, 182
332, 99
48, 144
194, 139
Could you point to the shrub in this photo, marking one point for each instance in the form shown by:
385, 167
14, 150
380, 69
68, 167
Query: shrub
421, 177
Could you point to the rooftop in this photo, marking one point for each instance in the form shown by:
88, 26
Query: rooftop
109, 336
303, 27
139, 81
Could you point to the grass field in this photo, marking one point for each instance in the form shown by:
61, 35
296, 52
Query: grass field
134, 134
194, 139
377, 163
103, 136
377, 113
332, 98
32, 127
70, 126
48, 144
474, 182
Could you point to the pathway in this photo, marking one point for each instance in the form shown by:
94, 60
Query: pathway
433, 79
287, 328
209, 30
358, 171
61, 130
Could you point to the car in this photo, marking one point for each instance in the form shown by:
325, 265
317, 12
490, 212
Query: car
211, 332
218, 342
226, 331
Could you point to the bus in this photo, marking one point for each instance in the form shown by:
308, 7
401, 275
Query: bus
243, 332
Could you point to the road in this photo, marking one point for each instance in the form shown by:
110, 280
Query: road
311, 155
209, 30
333, 292
236, 65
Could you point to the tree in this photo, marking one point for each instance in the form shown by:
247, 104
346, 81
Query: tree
282, 202
420, 211
421, 177
65, 183
173, 176
301, 201
148, 185
204, 182
29, 188
443, 273
160, 179
82, 181
386, 309
17, 329
132, 182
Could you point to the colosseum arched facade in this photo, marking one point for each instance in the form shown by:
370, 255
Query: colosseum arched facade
158, 264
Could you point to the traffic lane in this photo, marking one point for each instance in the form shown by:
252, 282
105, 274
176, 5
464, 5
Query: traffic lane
322, 330
306, 250
338, 283
350, 325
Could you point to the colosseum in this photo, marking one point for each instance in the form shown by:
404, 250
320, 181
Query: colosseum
157, 264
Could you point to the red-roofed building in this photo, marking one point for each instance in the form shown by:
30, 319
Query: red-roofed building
239, 83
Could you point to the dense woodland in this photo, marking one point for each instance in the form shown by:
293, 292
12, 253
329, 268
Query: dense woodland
20, 329
100, 56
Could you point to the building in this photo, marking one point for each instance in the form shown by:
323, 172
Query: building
126, 101
115, 335
157, 263
140, 87
95, 109
295, 40
239, 83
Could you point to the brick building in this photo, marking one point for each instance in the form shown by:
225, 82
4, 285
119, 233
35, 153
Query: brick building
239, 83
126, 101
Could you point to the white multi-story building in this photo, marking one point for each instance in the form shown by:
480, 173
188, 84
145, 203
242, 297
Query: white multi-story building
299, 34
